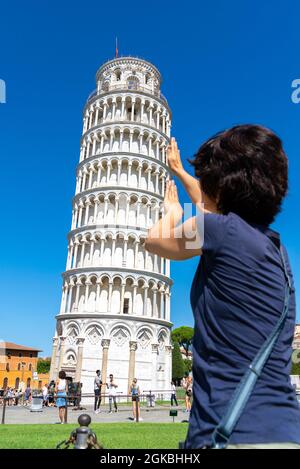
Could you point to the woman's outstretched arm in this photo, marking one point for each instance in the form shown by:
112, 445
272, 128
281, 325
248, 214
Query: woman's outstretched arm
170, 240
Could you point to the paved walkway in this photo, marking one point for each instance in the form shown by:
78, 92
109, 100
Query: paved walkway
22, 415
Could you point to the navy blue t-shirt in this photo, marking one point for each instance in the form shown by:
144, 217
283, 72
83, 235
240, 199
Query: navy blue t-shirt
237, 298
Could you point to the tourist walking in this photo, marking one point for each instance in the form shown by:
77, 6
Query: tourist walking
173, 394
97, 391
45, 395
188, 393
27, 395
17, 396
135, 396
61, 395
112, 391
51, 392
242, 295
10, 396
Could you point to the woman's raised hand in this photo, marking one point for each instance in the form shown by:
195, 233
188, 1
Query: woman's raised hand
173, 157
171, 200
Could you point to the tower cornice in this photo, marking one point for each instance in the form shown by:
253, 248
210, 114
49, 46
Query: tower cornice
160, 98
139, 231
119, 317
126, 60
114, 270
122, 154
124, 123
117, 190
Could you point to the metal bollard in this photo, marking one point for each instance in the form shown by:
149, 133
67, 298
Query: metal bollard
3, 411
83, 432
66, 411
82, 437
137, 409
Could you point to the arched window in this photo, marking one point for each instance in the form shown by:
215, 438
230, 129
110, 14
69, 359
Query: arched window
147, 78
5, 383
105, 85
19, 366
28, 382
118, 74
126, 306
30, 367
132, 83
17, 382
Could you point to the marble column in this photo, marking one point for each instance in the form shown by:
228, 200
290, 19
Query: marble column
134, 298
102, 250
125, 252
161, 314
99, 174
78, 285
131, 369
97, 302
64, 298
62, 341
154, 366
145, 300
80, 342
110, 287
83, 243
69, 304
105, 346
123, 285
96, 209
70, 255
168, 366
53, 368
167, 306
154, 302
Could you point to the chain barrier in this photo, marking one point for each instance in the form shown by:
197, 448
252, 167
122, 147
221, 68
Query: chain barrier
147, 396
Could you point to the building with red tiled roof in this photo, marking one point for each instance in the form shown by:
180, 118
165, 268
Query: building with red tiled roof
18, 366
13, 346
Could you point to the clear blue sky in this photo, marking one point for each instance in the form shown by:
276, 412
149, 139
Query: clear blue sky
223, 63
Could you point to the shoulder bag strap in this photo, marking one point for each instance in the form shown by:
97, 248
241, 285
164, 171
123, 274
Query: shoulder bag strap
223, 431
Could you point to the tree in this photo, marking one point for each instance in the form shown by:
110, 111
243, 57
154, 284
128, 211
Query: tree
43, 365
295, 369
187, 366
177, 363
183, 336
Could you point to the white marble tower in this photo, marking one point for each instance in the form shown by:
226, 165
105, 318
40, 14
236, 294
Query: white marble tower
115, 309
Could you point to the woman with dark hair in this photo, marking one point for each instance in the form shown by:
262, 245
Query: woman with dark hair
61, 395
242, 295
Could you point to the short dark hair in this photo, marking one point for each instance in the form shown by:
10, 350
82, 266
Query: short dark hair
97, 371
245, 170
62, 374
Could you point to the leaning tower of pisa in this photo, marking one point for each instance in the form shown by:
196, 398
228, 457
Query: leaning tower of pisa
115, 308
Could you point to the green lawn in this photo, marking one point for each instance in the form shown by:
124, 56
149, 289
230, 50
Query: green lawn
111, 435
